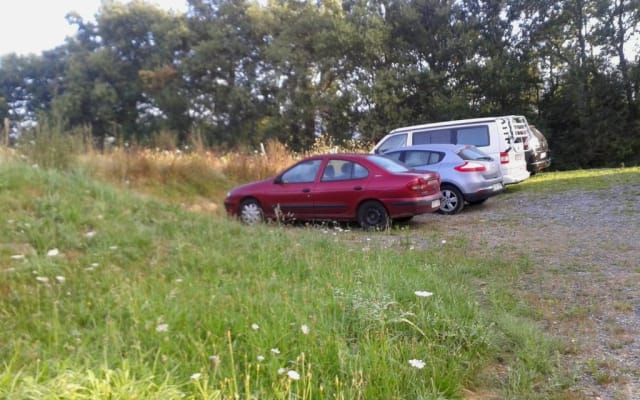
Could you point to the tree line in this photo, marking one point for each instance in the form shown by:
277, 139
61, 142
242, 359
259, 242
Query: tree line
241, 72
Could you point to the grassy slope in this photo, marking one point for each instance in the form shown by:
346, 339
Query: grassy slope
146, 300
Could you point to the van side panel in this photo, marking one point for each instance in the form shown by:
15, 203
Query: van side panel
500, 137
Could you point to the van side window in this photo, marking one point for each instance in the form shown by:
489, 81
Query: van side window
475, 135
395, 141
433, 136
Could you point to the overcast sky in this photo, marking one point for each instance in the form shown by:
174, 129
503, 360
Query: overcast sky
31, 26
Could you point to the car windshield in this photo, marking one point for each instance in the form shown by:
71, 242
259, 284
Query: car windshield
473, 153
388, 164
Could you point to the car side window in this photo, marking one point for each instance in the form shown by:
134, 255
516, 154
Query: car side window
304, 172
359, 172
415, 158
343, 170
331, 171
395, 141
435, 157
396, 155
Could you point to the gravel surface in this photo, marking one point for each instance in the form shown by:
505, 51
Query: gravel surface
584, 248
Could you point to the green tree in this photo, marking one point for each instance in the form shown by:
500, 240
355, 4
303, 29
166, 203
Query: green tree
122, 73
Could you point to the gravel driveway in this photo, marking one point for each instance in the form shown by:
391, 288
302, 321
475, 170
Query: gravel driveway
584, 248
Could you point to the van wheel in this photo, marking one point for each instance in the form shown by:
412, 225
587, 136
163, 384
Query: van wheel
452, 200
373, 216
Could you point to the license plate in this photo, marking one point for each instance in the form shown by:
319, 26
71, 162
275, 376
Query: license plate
497, 186
435, 204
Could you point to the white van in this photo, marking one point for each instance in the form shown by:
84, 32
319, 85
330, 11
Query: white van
503, 138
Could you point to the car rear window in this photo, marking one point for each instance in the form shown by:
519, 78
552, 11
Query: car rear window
472, 153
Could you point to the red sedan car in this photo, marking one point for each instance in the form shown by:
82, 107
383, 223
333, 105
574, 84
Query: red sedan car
370, 189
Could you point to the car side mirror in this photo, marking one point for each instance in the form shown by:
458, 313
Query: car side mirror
278, 180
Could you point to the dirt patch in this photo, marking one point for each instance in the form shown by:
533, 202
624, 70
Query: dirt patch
584, 247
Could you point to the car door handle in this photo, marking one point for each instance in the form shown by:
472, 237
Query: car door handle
306, 190
357, 188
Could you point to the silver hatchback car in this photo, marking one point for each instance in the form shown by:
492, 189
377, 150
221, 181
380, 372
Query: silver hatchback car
468, 174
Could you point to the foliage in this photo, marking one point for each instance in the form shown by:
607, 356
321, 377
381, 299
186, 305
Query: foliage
243, 72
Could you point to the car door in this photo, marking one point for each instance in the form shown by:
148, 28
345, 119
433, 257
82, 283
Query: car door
337, 195
292, 194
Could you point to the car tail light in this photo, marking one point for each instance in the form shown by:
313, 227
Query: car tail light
504, 157
421, 185
417, 185
471, 167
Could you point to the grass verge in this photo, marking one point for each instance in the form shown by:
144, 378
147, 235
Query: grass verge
104, 294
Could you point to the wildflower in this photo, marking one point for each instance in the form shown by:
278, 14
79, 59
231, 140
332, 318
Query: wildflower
423, 293
113, 247
92, 267
162, 328
60, 278
417, 363
17, 257
215, 360
255, 327
53, 252
196, 376
293, 375
90, 234
260, 358
275, 350
281, 371
42, 279
444, 241
305, 329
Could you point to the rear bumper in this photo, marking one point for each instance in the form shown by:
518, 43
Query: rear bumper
399, 208
539, 165
512, 178
484, 193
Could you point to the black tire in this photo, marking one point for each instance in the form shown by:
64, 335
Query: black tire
452, 201
251, 212
373, 216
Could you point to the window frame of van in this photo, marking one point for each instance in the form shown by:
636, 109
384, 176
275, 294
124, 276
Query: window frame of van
453, 132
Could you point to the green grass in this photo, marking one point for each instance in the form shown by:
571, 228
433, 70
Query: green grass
588, 179
148, 301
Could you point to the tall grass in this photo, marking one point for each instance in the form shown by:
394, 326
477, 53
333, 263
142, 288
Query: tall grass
104, 294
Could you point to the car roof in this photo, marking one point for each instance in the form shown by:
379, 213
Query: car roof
350, 156
433, 147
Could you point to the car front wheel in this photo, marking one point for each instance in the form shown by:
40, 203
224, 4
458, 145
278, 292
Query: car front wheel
251, 212
373, 216
452, 200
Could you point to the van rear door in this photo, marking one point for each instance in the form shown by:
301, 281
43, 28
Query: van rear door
514, 131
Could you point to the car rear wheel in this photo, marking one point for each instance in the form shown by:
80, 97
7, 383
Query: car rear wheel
373, 216
452, 200
251, 212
